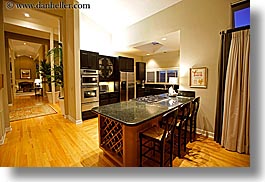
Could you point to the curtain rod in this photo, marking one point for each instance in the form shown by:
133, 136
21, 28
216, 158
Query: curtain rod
235, 29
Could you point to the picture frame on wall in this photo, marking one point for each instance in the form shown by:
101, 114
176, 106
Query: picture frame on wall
25, 73
198, 77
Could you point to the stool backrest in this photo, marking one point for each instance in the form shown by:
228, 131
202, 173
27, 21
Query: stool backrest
195, 107
185, 113
169, 121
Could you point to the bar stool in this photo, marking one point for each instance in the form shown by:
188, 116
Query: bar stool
195, 104
180, 133
159, 140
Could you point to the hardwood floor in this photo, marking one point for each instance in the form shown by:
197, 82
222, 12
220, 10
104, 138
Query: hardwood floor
53, 141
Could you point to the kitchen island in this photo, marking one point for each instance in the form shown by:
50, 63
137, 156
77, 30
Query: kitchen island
120, 123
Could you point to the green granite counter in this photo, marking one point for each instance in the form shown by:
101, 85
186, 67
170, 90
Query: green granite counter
135, 112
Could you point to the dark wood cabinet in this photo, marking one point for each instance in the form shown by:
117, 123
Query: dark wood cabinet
106, 68
140, 71
126, 64
109, 98
140, 91
88, 60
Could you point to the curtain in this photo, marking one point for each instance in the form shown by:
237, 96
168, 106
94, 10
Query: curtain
236, 116
222, 66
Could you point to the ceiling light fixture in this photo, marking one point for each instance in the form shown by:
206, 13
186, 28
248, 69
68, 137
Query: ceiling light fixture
26, 15
164, 38
25, 43
147, 54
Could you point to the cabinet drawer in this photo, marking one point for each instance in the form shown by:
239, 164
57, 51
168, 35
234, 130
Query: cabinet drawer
114, 95
113, 100
103, 102
103, 96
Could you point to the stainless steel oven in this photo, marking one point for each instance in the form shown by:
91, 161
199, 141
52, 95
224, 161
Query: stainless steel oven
89, 94
89, 77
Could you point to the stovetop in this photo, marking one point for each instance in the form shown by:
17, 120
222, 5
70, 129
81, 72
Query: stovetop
152, 98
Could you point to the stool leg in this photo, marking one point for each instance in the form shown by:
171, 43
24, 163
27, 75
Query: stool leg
191, 129
141, 151
179, 145
161, 155
185, 136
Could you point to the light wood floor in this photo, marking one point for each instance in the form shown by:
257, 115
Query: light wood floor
53, 141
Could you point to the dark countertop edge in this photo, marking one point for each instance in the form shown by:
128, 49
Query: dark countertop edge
135, 124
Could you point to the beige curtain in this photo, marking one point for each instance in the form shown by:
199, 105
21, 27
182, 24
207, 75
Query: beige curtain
236, 122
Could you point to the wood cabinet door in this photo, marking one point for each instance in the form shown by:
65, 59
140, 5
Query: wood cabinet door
140, 71
84, 59
93, 60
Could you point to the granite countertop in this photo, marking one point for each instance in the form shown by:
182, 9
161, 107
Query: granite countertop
135, 112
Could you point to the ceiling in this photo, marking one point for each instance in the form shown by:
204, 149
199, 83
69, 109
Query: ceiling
37, 20
22, 48
119, 14
110, 14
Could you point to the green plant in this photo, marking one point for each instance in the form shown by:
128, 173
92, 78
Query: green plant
45, 72
58, 68
45, 68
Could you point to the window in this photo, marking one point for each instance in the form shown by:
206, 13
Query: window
162, 75
241, 14
150, 76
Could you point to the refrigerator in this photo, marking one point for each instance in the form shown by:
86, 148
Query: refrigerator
126, 86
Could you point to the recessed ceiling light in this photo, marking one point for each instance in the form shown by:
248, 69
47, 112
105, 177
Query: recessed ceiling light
25, 43
26, 15
147, 54
164, 38
30, 56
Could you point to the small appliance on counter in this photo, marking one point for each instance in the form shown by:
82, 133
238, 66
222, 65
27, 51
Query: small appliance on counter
172, 92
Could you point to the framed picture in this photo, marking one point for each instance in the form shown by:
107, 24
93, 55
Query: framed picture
25, 73
198, 77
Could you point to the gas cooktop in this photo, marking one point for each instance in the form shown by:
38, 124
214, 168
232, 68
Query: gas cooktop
152, 98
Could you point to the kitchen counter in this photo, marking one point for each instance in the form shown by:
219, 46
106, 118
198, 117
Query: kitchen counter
135, 112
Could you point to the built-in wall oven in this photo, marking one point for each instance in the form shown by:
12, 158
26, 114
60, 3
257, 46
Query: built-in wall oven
89, 77
90, 94
89, 89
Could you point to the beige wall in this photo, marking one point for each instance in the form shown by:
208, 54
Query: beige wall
162, 60
4, 114
199, 23
24, 62
70, 39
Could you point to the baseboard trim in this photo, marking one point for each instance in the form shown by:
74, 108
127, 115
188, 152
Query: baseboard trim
8, 129
73, 120
2, 141
205, 133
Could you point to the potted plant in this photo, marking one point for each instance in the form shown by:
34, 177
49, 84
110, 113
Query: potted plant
57, 78
58, 72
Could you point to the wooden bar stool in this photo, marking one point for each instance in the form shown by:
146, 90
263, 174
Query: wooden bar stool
195, 104
159, 140
180, 133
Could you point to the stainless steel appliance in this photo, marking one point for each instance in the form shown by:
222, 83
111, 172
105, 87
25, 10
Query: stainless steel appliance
89, 77
89, 89
126, 86
90, 94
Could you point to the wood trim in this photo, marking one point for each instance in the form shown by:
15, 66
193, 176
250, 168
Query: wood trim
1, 81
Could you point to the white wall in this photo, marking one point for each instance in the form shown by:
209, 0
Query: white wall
94, 37
199, 23
162, 60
